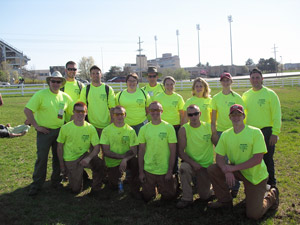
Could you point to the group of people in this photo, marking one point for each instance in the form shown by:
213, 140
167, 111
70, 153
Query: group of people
144, 131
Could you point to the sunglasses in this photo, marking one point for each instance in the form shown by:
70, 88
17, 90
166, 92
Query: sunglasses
71, 69
151, 76
154, 110
79, 111
119, 114
55, 81
193, 114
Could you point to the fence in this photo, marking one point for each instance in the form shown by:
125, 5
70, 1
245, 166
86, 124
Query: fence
180, 85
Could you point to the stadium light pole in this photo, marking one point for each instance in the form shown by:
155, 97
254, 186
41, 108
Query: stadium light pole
177, 33
198, 29
230, 21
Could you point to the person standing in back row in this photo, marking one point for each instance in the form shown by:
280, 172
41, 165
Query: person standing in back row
263, 111
99, 98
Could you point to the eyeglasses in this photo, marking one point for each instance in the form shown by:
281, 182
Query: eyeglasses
119, 114
193, 114
71, 69
55, 81
151, 76
154, 110
79, 111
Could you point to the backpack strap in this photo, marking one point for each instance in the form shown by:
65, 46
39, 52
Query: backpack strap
87, 93
79, 85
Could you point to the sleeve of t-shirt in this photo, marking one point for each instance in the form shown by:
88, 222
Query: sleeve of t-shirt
148, 99
61, 136
111, 98
259, 145
69, 108
34, 103
186, 105
117, 98
275, 113
214, 103
94, 136
240, 100
180, 103
104, 137
83, 95
171, 135
220, 148
133, 139
141, 137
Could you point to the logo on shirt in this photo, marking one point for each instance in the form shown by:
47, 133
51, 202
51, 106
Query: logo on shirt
140, 101
261, 102
174, 103
162, 135
205, 106
77, 91
206, 137
243, 147
230, 104
85, 137
103, 97
125, 139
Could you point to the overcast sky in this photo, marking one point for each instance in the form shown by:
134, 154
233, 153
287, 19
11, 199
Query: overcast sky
53, 32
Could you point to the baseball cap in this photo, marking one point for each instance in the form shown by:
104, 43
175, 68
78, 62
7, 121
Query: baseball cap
227, 75
236, 107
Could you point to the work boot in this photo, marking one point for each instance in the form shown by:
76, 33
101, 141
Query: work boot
183, 204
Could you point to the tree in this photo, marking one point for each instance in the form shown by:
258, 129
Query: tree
249, 62
5, 69
84, 66
114, 71
178, 74
267, 65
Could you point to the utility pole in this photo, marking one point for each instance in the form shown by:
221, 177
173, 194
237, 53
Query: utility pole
198, 29
230, 21
155, 38
177, 33
275, 58
140, 57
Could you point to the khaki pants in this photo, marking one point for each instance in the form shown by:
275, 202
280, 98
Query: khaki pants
114, 175
167, 189
75, 171
186, 174
256, 204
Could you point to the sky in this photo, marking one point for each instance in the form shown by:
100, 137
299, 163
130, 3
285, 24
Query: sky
53, 32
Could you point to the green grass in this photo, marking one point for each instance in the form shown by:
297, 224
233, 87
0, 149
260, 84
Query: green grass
17, 158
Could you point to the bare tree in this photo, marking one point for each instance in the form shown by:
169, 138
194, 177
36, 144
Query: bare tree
84, 66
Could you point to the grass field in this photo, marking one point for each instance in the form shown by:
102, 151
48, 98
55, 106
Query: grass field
17, 157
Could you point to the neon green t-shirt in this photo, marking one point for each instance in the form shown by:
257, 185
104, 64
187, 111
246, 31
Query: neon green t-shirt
153, 91
204, 105
77, 139
171, 104
49, 108
157, 151
198, 144
119, 139
222, 103
135, 105
98, 106
262, 109
241, 147
73, 90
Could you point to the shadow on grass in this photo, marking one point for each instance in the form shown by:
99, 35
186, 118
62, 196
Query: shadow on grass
59, 206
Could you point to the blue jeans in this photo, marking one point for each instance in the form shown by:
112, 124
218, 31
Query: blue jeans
268, 157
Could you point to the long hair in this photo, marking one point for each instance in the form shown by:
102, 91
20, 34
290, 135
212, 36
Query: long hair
207, 90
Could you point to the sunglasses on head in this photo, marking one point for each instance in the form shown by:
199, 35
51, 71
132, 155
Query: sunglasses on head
55, 81
193, 114
71, 69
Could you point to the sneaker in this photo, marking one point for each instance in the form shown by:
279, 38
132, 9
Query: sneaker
33, 191
183, 204
275, 192
219, 205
